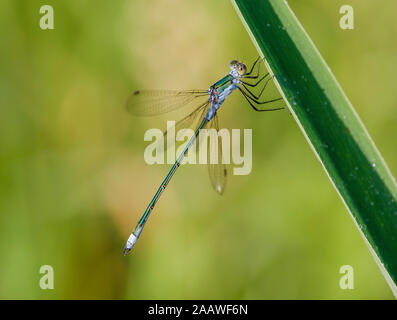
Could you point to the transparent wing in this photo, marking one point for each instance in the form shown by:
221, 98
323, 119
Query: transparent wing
155, 102
188, 122
217, 171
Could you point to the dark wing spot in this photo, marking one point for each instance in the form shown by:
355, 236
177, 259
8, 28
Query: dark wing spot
136, 92
224, 172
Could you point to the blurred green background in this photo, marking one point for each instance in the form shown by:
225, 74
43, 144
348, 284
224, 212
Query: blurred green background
73, 181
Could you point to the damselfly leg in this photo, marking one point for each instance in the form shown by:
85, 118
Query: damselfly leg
253, 99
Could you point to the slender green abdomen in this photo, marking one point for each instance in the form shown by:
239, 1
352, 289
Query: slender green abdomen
164, 184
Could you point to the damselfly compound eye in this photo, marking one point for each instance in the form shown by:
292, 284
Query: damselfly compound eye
241, 69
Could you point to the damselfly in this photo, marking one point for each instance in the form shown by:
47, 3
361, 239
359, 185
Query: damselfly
150, 103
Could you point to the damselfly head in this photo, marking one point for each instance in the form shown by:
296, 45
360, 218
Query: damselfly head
241, 68
233, 64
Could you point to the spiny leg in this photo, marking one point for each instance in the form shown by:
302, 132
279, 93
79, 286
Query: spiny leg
253, 66
260, 93
247, 75
255, 84
262, 102
250, 100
